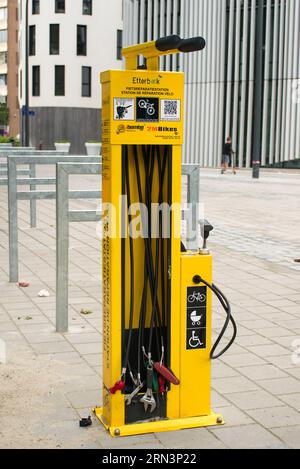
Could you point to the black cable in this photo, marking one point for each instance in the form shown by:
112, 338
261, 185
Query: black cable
155, 322
149, 173
148, 155
142, 320
162, 171
131, 314
146, 269
229, 318
149, 166
123, 253
169, 254
156, 316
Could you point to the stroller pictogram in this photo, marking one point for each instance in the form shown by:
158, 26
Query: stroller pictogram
196, 318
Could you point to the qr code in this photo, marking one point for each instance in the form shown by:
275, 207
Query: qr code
170, 109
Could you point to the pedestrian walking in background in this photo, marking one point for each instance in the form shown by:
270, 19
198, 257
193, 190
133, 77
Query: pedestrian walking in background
227, 157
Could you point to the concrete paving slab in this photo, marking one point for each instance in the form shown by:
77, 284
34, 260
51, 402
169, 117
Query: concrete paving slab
248, 437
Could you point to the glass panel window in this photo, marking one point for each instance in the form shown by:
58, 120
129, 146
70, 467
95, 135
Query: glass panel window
81, 40
86, 82
59, 80
3, 58
87, 7
54, 39
35, 7
31, 40
3, 14
60, 6
36, 80
3, 35
3, 79
119, 44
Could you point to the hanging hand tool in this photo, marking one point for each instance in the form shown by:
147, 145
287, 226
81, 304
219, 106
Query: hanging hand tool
148, 399
119, 386
129, 398
161, 385
166, 373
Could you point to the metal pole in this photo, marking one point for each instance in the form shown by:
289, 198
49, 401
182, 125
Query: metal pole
193, 175
13, 221
193, 199
26, 117
62, 248
257, 132
32, 174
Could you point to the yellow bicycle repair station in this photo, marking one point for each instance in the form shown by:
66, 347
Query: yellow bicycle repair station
157, 313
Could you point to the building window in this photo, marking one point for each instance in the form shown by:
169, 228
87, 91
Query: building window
3, 35
3, 14
60, 6
81, 40
59, 80
86, 89
31, 40
36, 80
54, 39
3, 58
35, 7
3, 79
119, 44
87, 7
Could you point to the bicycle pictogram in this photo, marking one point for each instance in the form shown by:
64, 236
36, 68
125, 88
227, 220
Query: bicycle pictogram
198, 297
144, 104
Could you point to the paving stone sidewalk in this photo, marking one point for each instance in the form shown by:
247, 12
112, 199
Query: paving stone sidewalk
51, 380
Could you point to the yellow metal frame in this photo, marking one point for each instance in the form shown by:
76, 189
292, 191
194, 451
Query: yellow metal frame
147, 50
188, 405
161, 426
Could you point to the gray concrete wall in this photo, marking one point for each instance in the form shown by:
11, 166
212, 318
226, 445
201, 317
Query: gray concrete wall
77, 125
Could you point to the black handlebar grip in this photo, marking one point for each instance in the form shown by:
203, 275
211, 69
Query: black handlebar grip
168, 43
192, 45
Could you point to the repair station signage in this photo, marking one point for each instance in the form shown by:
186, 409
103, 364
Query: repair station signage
146, 107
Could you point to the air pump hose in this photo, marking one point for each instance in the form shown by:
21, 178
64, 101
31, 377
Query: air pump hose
229, 318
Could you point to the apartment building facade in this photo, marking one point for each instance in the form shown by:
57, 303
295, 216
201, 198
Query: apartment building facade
9, 105
3, 65
69, 43
220, 82
12, 68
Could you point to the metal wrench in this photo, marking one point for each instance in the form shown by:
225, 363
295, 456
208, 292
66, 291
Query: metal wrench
148, 399
130, 397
